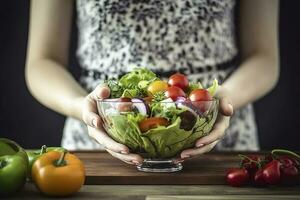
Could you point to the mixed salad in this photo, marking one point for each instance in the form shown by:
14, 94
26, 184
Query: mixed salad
155, 117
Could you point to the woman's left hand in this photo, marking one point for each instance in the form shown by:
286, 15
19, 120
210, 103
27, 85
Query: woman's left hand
207, 143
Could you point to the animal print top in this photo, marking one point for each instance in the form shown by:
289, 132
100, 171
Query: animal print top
194, 37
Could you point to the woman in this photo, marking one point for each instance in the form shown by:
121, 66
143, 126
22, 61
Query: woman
194, 37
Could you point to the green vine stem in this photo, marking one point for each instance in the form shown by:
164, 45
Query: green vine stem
284, 151
61, 161
43, 149
250, 160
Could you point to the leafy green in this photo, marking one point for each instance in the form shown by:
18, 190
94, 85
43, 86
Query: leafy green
138, 80
171, 140
131, 93
194, 86
160, 142
213, 89
124, 129
166, 110
159, 96
133, 84
116, 89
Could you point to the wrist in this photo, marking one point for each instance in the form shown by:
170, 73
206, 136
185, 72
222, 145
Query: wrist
76, 108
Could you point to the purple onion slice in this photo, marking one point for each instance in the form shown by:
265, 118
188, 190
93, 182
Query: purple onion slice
141, 106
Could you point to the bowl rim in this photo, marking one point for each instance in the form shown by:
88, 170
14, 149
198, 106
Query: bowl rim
116, 100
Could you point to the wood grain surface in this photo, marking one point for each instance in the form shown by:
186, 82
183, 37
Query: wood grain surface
202, 178
225, 197
158, 192
102, 168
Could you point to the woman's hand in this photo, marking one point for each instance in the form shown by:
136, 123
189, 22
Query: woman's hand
207, 143
96, 131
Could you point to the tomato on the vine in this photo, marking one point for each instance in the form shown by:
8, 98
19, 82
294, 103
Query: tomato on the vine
237, 177
179, 80
174, 92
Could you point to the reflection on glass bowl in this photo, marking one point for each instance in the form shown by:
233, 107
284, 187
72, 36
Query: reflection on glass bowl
157, 130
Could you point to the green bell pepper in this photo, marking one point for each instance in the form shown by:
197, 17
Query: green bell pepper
33, 155
13, 167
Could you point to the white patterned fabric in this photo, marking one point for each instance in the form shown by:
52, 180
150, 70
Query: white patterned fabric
194, 37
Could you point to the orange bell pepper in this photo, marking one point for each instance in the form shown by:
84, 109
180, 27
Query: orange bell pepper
58, 173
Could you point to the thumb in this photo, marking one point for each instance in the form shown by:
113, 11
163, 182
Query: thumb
226, 107
102, 91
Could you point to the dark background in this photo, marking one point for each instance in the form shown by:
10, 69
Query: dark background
24, 120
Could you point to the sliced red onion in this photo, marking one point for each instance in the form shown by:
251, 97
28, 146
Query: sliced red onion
141, 106
180, 99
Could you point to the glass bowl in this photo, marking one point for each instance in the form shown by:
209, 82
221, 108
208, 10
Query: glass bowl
176, 127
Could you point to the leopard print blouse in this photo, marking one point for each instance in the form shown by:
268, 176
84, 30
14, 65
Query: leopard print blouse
194, 37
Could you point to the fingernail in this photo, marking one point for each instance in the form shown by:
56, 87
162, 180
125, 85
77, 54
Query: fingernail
94, 122
135, 162
124, 152
185, 156
231, 107
199, 145
179, 161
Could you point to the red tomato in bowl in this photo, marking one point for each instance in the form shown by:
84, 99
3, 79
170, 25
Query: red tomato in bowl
152, 122
179, 80
200, 95
174, 92
201, 98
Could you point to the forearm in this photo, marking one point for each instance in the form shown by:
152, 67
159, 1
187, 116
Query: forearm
53, 86
254, 78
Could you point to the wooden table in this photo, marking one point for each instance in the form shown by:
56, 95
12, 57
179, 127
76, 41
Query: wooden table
202, 178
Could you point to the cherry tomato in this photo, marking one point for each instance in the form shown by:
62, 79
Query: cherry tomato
152, 122
124, 104
200, 98
237, 177
179, 80
258, 178
289, 174
200, 95
157, 86
271, 172
174, 92
286, 161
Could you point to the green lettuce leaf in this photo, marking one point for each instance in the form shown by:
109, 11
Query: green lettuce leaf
131, 93
131, 80
166, 110
194, 86
124, 129
116, 89
212, 89
160, 142
170, 141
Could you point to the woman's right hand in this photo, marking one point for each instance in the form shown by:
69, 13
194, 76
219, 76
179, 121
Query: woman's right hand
96, 131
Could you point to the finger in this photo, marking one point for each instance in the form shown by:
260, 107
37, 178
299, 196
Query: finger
89, 114
102, 91
102, 138
179, 160
188, 153
217, 132
226, 107
129, 158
